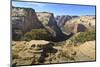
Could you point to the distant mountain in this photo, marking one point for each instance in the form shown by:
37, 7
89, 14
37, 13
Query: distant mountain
80, 24
61, 20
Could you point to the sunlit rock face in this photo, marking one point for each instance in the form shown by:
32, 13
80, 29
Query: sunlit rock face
32, 52
80, 24
24, 19
61, 20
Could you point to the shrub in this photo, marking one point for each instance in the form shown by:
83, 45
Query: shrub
37, 34
83, 37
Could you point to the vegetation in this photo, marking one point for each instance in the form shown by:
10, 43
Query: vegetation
37, 34
83, 37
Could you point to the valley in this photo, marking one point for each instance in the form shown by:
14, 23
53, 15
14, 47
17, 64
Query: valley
42, 38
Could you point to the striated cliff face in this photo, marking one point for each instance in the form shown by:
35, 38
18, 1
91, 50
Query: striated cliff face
61, 20
50, 24
24, 19
88, 21
80, 24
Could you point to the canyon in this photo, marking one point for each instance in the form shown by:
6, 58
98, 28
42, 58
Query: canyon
65, 38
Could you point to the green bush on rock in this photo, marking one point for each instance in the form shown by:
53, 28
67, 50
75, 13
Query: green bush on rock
82, 37
37, 34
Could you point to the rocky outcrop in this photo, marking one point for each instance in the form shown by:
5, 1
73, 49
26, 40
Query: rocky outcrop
42, 52
24, 19
80, 24
50, 25
61, 20
82, 52
74, 28
32, 52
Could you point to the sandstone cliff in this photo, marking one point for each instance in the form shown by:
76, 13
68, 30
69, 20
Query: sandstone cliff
50, 24
24, 19
80, 24
61, 20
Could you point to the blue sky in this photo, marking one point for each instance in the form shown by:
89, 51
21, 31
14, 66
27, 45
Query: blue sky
57, 9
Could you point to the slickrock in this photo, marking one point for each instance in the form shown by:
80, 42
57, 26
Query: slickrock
82, 52
27, 53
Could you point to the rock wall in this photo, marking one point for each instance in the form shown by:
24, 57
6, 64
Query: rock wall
61, 20
80, 24
50, 24
24, 19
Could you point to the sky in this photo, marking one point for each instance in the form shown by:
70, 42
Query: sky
57, 9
